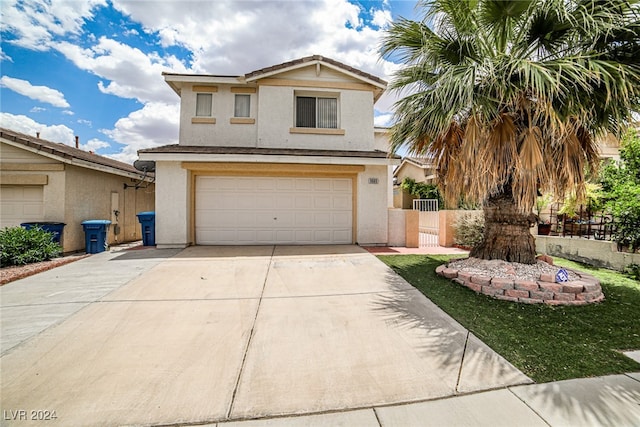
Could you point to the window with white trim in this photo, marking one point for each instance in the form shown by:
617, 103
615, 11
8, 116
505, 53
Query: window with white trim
204, 103
242, 106
317, 112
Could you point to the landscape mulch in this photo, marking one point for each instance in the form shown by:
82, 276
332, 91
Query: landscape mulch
10, 274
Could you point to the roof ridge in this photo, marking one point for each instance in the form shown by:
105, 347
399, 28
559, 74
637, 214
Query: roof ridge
65, 151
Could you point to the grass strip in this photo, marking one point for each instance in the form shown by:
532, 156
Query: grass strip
546, 343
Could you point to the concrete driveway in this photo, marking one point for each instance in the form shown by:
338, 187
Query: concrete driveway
229, 333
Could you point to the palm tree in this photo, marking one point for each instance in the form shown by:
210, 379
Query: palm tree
509, 97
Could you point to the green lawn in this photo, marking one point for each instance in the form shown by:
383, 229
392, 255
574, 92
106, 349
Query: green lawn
546, 343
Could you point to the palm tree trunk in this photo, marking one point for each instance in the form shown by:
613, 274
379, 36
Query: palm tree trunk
506, 232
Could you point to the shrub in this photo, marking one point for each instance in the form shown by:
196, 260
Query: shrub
633, 271
469, 229
19, 246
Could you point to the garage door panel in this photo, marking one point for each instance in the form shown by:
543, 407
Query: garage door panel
251, 210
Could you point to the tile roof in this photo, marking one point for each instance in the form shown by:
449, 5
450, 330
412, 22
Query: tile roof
314, 58
186, 149
65, 152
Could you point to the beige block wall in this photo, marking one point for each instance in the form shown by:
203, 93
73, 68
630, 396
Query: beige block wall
593, 252
87, 196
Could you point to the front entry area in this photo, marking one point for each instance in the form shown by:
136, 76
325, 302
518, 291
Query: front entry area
241, 210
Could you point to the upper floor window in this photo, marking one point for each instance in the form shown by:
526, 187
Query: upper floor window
316, 112
242, 106
204, 102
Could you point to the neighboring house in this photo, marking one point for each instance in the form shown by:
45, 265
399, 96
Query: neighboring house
418, 169
46, 181
282, 155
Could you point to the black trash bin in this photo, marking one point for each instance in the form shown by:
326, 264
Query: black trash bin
55, 228
95, 235
148, 223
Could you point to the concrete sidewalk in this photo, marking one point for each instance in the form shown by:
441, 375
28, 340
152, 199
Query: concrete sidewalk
246, 335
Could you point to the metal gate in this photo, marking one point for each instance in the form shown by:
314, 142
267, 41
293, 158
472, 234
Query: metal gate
429, 224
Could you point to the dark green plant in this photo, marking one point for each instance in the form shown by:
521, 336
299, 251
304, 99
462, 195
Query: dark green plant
422, 190
19, 246
621, 188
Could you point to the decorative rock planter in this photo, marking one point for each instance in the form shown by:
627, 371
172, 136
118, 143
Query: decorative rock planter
545, 290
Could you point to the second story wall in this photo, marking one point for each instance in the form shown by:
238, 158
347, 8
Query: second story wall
277, 119
223, 125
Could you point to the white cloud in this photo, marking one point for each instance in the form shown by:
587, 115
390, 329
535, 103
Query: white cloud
236, 37
68, 112
381, 18
383, 120
39, 93
153, 125
34, 23
94, 145
130, 72
37, 110
26, 125
85, 122
4, 56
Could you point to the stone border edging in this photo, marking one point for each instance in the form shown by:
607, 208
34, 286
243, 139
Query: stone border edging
545, 290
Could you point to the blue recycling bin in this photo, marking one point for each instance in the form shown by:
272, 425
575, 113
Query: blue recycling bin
95, 235
148, 223
54, 228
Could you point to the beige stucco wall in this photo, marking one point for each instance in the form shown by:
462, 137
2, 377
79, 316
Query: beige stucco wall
223, 132
408, 170
173, 192
593, 252
88, 196
372, 204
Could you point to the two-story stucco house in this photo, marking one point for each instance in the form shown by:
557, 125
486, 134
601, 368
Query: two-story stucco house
283, 155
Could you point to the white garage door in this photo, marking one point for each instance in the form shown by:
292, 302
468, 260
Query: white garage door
270, 210
20, 203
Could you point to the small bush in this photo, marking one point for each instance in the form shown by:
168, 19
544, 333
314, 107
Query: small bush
19, 246
469, 229
633, 271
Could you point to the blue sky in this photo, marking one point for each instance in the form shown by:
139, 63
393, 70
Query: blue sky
93, 68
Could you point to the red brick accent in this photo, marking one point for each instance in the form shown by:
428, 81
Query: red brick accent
550, 278
562, 296
506, 298
474, 287
502, 283
450, 273
481, 280
541, 295
526, 285
530, 300
464, 276
555, 302
588, 296
440, 268
516, 293
553, 287
546, 258
574, 287
491, 291
460, 281
592, 287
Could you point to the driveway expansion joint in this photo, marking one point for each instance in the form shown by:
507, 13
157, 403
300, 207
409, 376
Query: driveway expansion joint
251, 333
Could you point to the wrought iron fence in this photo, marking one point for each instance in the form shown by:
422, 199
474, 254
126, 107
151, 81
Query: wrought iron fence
584, 224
